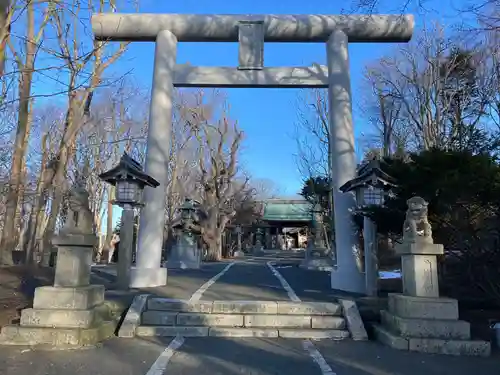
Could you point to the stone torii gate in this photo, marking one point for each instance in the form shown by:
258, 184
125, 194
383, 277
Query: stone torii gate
250, 32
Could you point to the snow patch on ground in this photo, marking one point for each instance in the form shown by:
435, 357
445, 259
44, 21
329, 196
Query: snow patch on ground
395, 274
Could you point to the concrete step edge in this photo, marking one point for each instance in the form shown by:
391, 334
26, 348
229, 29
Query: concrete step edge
156, 318
239, 307
201, 331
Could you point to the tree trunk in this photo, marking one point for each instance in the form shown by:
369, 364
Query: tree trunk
8, 241
58, 186
214, 251
4, 31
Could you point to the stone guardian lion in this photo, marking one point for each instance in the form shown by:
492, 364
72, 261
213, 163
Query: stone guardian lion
416, 225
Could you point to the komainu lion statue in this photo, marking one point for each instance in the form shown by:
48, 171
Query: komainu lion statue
80, 219
416, 225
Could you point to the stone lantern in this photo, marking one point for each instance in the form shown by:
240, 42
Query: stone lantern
238, 231
71, 313
370, 187
186, 254
317, 256
187, 211
258, 249
130, 180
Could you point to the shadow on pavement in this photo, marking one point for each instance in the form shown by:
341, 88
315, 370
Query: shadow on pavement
225, 356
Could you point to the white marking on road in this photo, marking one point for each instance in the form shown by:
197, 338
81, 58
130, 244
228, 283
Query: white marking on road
317, 357
160, 365
306, 344
197, 295
284, 283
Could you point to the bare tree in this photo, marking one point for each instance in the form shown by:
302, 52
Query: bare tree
26, 69
429, 90
5, 20
79, 96
219, 141
383, 111
312, 133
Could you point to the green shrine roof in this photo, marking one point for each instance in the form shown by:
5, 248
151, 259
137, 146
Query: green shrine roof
286, 210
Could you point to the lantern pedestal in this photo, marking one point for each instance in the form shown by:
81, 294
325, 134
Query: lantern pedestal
71, 314
317, 264
185, 254
126, 248
317, 258
258, 249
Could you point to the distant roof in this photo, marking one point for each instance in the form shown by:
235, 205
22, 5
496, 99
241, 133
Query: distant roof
286, 210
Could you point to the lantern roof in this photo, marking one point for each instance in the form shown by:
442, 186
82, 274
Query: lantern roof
128, 169
188, 204
369, 174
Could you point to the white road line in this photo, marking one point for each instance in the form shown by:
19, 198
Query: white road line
197, 295
160, 365
306, 344
284, 283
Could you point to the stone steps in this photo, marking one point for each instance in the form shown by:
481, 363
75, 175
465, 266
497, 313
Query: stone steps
167, 317
246, 307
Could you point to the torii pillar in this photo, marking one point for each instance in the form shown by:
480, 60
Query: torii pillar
251, 32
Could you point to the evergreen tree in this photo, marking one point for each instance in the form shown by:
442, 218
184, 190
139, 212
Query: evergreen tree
463, 191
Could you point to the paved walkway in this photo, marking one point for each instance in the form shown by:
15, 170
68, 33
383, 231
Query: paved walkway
251, 279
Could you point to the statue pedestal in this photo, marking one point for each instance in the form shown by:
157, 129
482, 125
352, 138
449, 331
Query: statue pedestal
317, 256
70, 314
317, 259
258, 249
419, 320
185, 254
239, 254
318, 264
419, 268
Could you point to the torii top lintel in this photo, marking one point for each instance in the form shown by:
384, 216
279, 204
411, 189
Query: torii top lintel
277, 28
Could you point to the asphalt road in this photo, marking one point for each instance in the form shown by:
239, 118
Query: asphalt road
247, 280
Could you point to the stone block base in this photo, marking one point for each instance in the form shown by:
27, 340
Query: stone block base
317, 264
71, 298
147, 277
56, 338
428, 325
423, 307
431, 345
239, 254
426, 328
58, 318
258, 252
